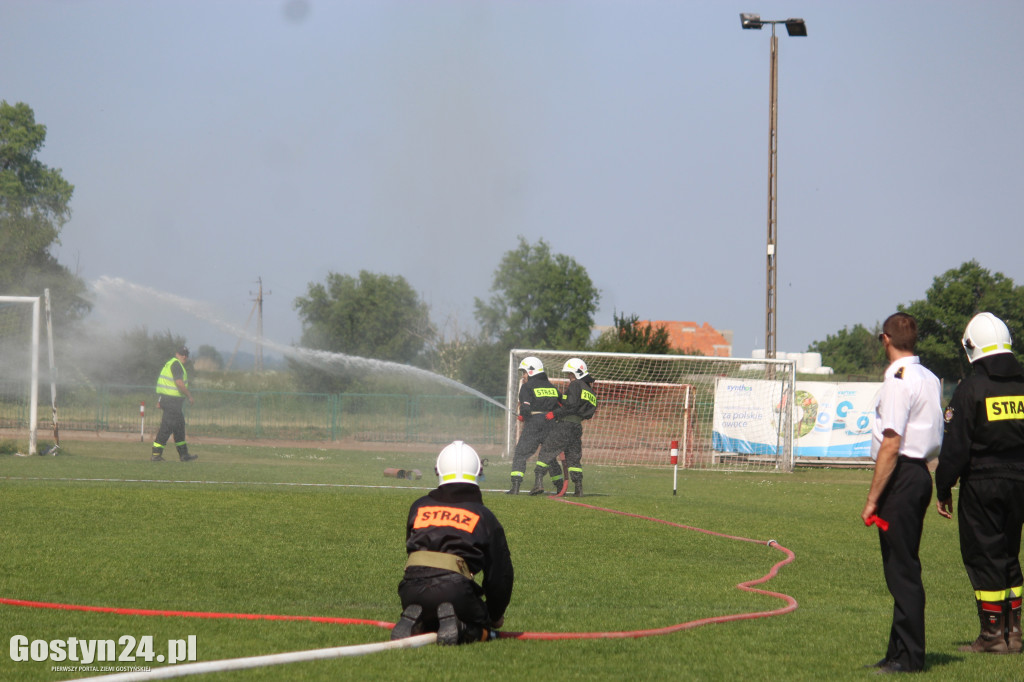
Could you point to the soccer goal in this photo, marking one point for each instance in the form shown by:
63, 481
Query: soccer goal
19, 366
647, 402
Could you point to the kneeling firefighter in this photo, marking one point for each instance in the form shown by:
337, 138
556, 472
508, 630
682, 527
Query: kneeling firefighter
450, 537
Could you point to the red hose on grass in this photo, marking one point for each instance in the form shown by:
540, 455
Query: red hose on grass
192, 614
791, 603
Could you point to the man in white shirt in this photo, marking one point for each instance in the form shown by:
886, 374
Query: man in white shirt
906, 434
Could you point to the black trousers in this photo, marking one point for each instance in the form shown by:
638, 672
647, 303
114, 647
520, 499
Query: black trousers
903, 505
430, 587
172, 423
535, 431
564, 437
990, 516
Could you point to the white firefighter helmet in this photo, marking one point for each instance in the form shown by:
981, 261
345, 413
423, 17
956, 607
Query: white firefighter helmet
575, 367
986, 335
458, 463
531, 365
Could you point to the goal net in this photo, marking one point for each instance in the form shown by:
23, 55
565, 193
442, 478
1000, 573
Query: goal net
647, 402
19, 366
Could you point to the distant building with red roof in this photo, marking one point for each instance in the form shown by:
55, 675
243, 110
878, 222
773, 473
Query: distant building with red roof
687, 337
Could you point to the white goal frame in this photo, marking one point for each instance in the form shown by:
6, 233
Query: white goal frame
33, 410
675, 404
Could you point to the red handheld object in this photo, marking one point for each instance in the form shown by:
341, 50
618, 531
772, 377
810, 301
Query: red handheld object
876, 520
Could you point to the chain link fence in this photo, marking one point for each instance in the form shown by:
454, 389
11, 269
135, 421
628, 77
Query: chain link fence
240, 415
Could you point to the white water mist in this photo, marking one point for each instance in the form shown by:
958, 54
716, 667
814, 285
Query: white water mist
336, 363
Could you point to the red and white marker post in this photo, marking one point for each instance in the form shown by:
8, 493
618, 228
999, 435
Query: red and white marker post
674, 459
142, 417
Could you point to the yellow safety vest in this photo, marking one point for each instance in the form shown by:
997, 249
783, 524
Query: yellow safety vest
165, 384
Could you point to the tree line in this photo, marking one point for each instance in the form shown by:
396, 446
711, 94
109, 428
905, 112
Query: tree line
537, 299
950, 302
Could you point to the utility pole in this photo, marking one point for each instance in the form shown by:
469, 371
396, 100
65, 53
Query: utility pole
259, 323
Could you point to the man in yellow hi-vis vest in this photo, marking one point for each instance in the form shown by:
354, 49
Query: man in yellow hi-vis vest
172, 387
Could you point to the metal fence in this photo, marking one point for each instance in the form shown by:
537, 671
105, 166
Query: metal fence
274, 415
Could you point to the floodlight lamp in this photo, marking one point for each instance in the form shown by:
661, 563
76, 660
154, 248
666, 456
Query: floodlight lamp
796, 27
750, 20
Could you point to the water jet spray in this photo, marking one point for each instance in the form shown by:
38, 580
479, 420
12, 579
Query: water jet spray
322, 359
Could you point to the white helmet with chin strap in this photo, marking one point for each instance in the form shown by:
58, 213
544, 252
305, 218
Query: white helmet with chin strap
531, 366
576, 367
986, 335
458, 463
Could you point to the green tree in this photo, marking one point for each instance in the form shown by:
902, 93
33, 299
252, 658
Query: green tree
485, 368
370, 316
852, 351
447, 354
539, 300
211, 357
629, 336
950, 303
34, 207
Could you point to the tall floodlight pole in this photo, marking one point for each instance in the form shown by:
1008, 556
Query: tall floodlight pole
795, 27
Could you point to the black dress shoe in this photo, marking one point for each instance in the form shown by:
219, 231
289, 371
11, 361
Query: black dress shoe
894, 667
879, 664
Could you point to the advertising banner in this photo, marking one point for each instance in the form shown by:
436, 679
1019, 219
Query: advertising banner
830, 419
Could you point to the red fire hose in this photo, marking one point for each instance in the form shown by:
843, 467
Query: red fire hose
791, 603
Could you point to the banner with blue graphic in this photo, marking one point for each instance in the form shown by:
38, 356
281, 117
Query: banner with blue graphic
830, 419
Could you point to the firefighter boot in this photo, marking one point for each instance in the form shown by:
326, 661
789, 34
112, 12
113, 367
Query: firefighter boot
538, 482
1013, 640
991, 639
449, 628
184, 455
516, 482
409, 624
557, 482
577, 482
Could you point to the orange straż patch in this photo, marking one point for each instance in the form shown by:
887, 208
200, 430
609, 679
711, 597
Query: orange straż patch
452, 517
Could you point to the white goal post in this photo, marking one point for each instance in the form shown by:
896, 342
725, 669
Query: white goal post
19, 363
646, 402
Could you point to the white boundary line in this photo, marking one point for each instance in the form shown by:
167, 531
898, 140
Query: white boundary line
281, 483
170, 671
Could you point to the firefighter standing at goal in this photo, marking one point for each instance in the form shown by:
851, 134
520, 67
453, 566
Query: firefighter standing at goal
984, 448
537, 397
578, 403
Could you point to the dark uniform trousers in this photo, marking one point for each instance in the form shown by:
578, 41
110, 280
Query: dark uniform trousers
535, 431
172, 423
565, 436
903, 505
430, 587
990, 515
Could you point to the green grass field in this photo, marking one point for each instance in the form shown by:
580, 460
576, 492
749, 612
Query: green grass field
314, 532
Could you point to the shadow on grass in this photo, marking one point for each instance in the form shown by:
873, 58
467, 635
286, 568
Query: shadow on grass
936, 660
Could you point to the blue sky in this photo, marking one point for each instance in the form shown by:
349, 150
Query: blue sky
213, 143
